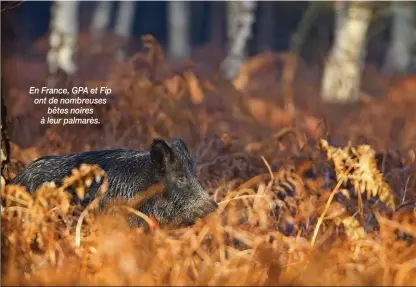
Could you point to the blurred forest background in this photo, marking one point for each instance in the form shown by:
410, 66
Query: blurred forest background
248, 69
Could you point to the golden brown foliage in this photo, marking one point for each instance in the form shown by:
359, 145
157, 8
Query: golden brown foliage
308, 215
240, 244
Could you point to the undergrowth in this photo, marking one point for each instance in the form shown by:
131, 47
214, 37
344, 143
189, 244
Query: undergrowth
302, 224
289, 214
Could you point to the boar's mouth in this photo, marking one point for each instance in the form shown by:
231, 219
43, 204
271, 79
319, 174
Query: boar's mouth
190, 218
211, 207
204, 210
186, 215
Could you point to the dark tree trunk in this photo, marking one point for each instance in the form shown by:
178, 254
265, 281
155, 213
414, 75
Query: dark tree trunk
5, 141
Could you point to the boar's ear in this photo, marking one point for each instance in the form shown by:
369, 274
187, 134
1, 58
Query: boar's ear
161, 154
177, 141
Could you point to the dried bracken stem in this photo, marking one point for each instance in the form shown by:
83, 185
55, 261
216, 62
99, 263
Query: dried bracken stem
268, 167
328, 203
84, 213
239, 197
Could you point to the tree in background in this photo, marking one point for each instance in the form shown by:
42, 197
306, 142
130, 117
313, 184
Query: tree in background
124, 23
123, 26
240, 18
178, 33
5, 142
100, 19
402, 46
62, 39
341, 79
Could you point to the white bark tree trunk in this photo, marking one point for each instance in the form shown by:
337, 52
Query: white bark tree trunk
125, 17
232, 10
124, 23
178, 37
403, 38
240, 20
63, 37
341, 79
101, 18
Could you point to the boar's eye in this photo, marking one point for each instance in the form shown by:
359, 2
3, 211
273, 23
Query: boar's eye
181, 180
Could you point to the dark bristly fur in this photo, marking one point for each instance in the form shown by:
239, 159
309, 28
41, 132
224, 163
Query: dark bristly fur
183, 199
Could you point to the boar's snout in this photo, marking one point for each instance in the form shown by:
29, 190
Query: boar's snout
206, 208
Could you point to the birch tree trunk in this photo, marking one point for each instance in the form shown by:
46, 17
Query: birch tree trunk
101, 18
63, 38
178, 36
124, 24
232, 10
240, 19
403, 38
341, 79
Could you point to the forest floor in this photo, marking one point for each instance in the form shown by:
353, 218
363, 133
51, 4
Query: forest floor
348, 240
